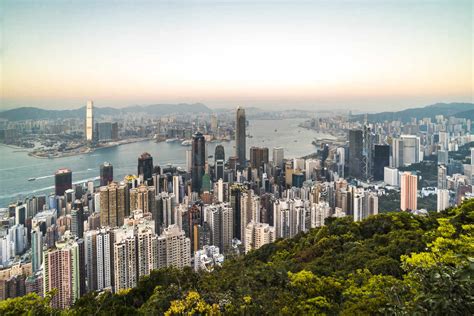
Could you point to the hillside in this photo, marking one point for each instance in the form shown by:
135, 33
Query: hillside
447, 109
395, 263
32, 113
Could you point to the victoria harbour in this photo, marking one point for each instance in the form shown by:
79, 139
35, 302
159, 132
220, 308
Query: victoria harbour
18, 167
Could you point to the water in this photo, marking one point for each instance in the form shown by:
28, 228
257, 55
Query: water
16, 167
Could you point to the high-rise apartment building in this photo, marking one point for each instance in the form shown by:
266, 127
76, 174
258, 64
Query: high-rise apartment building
408, 191
174, 248
257, 235
64, 271
112, 204
442, 199
240, 135
220, 219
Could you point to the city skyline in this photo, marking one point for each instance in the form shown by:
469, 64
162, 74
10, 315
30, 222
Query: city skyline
346, 55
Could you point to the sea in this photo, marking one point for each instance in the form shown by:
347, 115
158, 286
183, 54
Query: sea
16, 167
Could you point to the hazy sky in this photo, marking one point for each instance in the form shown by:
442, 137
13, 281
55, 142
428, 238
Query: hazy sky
370, 55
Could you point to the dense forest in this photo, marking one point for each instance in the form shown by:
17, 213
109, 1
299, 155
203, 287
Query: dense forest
392, 263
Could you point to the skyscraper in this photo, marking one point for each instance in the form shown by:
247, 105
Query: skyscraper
240, 145
442, 174
442, 200
278, 156
219, 161
89, 121
355, 153
257, 235
381, 160
106, 173
408, 191
112, 204
220, 219
258, 156
145, 168
199, 161
62, 181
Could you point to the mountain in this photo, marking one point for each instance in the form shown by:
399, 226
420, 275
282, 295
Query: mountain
466, 114
446, 109
394, 263
32, 113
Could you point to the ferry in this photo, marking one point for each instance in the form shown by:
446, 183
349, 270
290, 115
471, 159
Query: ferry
187, 142
31, 179
172, 140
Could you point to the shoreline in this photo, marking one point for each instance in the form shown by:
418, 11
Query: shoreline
89, 150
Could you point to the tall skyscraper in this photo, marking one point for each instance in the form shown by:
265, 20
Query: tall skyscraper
89, 121
278, 156
408, 191
106, 173
199, 161
381, 160
145, 168
258, 156
219, 161
62, 181
240, 146
356, 141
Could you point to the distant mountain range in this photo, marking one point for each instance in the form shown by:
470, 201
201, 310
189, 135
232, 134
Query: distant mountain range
32, 113
461, 110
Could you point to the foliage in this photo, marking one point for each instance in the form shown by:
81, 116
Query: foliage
391, 263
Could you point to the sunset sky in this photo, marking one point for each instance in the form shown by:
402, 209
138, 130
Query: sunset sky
367, 55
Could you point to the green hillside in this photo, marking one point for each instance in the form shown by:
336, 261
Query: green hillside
393, 263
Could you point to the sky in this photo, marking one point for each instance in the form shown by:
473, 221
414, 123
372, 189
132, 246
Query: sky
354, 55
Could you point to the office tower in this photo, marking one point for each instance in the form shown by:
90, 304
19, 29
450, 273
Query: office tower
391, 176
240, 145
89, 121
219, 161
381, 160
443, 157
278, 156
106, 173
341, 161
442, 199
174, 248
410, 150
199, 161
397, 153
311, 165
36, 249
176, 188
21, 214
297, 179
145, 168
77, 222
64, 271
257, 235
214, 123
189, 160
125, 264
356, 141
258, 156
62, 181
236, 191
408, 191
442, 177
112, 204
220, 219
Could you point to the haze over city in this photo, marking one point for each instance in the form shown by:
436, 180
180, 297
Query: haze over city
354, 55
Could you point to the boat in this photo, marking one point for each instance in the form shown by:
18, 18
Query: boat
31, 179
187, 142
172, 140
276, 130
